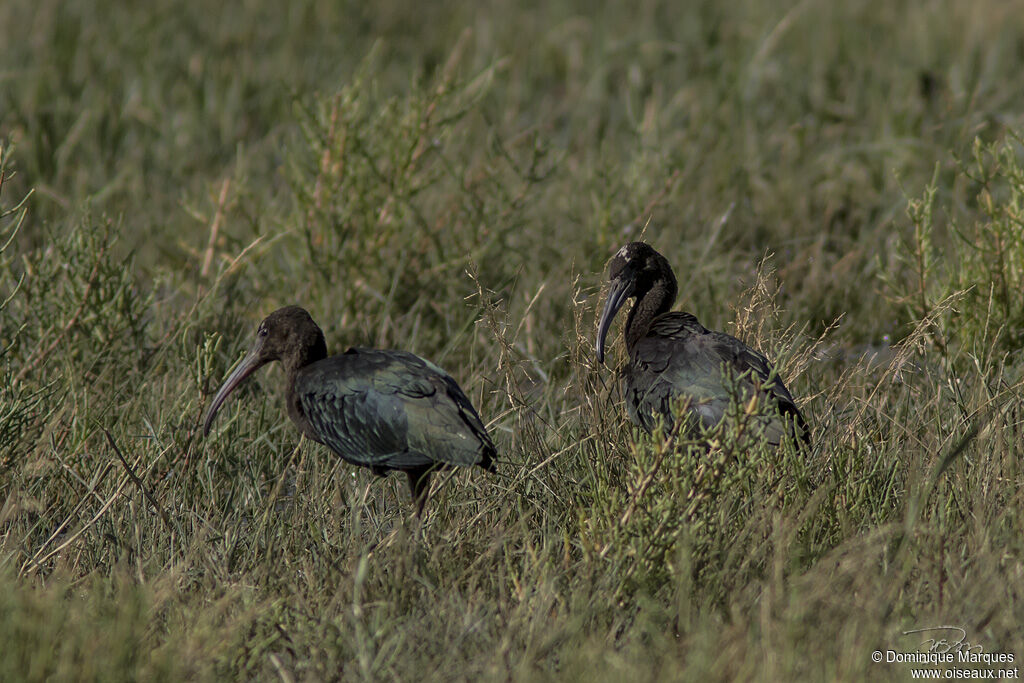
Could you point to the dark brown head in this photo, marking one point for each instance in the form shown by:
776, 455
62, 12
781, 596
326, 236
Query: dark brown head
288, 335
634, 271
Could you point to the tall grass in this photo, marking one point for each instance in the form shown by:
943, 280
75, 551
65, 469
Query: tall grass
837, 184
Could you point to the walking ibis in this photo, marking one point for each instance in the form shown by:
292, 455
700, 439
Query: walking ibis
673, 359
386, 410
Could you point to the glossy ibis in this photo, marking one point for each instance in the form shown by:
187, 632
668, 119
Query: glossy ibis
386, 410
673, 358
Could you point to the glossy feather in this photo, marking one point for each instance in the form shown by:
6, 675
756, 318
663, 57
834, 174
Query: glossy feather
391, 410
386, 410
680, 359
675, 361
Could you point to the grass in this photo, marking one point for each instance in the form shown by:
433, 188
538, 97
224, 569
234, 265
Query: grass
840, 185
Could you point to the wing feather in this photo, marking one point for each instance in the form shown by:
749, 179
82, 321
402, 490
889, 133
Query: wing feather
391, 410
680, 359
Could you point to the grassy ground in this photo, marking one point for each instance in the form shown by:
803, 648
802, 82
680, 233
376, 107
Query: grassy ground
826, 178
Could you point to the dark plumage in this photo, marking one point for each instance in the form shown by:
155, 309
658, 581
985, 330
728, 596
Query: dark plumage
386, 410
674, 358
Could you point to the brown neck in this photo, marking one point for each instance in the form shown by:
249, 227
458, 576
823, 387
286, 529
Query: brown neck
300, 356
293, 363
654, 302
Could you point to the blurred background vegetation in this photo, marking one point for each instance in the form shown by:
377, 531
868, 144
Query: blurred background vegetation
839, 184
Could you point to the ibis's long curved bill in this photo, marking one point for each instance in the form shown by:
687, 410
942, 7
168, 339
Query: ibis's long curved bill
249, 365
618, 292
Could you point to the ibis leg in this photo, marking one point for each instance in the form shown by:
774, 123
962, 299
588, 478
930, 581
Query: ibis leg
419, 486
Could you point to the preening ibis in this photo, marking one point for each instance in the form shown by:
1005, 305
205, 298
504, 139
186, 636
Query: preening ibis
673, 358
386, 410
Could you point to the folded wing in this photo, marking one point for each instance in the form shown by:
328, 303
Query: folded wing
391, 410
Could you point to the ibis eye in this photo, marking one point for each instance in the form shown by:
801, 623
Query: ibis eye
262, 332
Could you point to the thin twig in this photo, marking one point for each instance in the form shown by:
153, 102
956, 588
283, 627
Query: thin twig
34, 563
138, 482
218, 218
656, 199
40, 357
